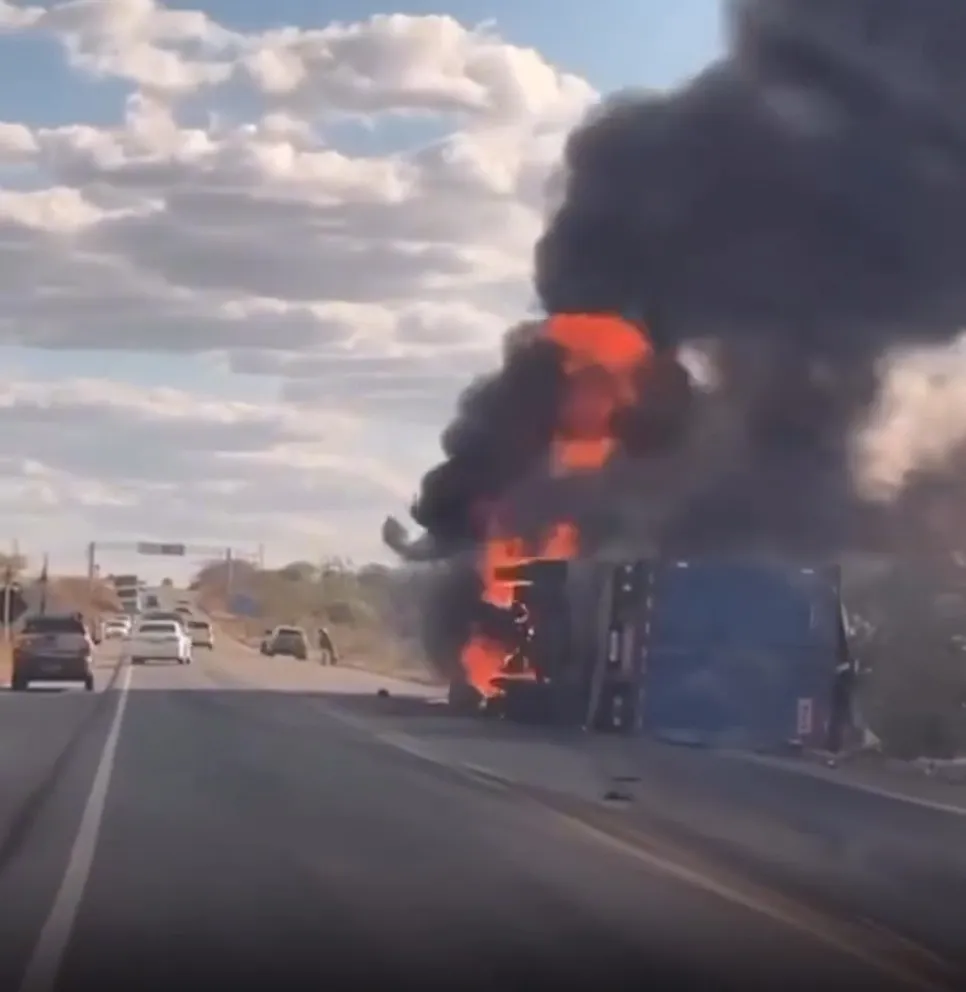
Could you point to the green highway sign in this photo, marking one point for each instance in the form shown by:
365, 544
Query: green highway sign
150, 548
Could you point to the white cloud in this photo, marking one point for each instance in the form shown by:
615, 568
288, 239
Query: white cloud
17, 17
241, 226
88, 458
397, 63
230, 213
141, 41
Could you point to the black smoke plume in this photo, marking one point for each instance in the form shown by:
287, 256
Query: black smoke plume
801, 205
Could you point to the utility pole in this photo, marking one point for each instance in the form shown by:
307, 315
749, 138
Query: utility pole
229, 573
44, 579
7, 593
91, 569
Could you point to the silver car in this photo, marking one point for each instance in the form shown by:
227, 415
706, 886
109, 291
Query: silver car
201, 634
116, 628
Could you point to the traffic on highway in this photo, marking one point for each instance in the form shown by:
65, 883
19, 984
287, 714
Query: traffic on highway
246, 804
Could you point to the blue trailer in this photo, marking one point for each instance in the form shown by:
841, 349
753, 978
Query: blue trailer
725, 652
720, 652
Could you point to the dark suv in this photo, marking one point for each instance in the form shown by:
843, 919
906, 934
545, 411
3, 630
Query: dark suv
53, 647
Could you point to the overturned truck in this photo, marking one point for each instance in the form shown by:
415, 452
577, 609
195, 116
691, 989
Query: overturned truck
746, 653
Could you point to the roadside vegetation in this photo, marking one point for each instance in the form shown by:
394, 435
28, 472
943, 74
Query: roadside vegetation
369, 611
64, 593
909, 631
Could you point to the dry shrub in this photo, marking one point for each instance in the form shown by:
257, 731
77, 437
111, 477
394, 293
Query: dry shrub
366, 610
908, 624
77, 593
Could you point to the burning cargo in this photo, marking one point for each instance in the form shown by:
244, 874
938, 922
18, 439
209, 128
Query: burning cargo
718, 651
794, 215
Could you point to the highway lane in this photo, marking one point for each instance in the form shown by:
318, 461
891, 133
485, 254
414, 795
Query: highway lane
885, 849
247, 833
39, 727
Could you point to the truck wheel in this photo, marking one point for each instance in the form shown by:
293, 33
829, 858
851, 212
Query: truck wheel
89, 683
18, 684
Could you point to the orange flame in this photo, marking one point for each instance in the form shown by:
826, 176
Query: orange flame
483, 658
603, 354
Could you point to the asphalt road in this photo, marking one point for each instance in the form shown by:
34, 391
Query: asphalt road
223, 820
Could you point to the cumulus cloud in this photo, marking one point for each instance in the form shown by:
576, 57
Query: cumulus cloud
248, 205
166, 462
242, 226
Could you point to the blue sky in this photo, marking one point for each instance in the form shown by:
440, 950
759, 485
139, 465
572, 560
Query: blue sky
627, 43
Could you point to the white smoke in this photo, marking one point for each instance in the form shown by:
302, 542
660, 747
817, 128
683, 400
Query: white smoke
918, 421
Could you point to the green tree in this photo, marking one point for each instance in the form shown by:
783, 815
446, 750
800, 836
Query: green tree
299, 571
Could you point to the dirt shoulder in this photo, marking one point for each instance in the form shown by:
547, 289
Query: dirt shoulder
360, 649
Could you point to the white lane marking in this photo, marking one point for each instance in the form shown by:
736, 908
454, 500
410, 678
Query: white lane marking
790, 915
848, 783
45, 960
399, 741
772, 906
417, 749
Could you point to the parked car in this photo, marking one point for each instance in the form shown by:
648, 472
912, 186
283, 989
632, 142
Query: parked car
290, 641
158, 640
53, 647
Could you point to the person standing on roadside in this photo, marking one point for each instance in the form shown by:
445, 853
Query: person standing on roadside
327, 648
